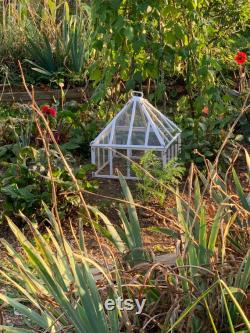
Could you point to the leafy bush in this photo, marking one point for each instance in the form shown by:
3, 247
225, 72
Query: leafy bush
24, 178
159, 43
76, 128
25, 183
16, 126
204, 135
154, 178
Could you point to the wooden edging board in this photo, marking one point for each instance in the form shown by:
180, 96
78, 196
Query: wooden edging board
168, 259
42, 96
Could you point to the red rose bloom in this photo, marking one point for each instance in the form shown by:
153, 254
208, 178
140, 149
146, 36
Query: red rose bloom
240, 58
45, 109
52, 112
205, 110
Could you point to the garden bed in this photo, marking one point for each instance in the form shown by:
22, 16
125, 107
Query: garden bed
177, 239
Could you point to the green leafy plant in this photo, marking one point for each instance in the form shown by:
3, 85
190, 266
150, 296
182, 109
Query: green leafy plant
126, 238
150, 168
159, 44
45, 62
25, 183
203, 134
76, 128
16, 128
64, 55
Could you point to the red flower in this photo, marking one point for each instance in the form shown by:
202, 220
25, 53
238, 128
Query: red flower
45, 109
205, 110
240, 58
48, 110
52, 112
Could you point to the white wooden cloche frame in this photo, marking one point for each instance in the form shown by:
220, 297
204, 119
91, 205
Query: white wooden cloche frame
136, 128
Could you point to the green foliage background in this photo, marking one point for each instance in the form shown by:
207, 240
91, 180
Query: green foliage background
180, 53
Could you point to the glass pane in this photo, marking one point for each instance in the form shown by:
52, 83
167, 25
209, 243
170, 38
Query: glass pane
125, 118
120, 136
165, 132
153, 140
140, 119
138, 138
105, 138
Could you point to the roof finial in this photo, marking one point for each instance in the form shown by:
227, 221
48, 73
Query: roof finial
137, 93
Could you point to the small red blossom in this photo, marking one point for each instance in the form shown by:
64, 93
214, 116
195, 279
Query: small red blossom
52, 112
240, 58
45, 109
205, 110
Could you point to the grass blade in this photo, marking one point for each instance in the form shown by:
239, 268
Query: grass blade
215, 230
237, 305
9, 329
192, 306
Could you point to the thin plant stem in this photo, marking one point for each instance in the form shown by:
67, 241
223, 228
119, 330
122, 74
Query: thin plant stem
36, 108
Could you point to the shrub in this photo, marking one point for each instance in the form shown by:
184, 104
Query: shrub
25, 183
24, 179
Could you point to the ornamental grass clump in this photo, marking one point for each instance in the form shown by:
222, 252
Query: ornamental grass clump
127, 237
56, 284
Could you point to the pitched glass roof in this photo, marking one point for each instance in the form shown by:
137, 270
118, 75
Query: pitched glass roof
138, 124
